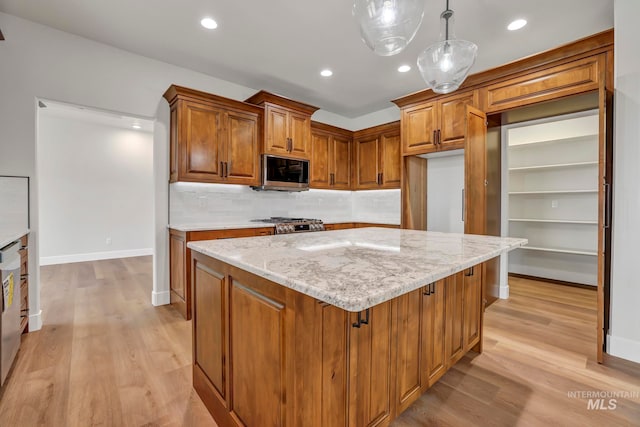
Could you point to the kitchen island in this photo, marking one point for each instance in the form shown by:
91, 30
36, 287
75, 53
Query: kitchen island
333, 328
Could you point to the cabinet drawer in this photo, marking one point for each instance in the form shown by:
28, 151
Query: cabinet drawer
563, 80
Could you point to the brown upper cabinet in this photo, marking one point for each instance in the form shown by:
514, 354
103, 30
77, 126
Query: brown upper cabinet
287, 125
436, 125
377, 157
330, 164
213, 139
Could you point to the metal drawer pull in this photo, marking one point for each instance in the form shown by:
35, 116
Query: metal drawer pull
362, 321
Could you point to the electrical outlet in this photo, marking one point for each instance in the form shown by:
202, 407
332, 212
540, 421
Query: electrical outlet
108, 241
554, 203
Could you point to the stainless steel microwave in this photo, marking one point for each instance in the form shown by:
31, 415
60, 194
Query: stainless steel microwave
284, 174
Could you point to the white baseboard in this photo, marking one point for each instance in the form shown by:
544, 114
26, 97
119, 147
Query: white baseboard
160, 298
94, 256
35, 321
501, 291
623, 348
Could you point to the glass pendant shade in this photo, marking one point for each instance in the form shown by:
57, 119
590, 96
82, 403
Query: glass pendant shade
387, 26
445, 65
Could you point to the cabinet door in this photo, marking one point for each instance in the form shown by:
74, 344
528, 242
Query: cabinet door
472, 307
419, 123
277, 130
409, 370
367, 152
210, 308
341, 162
454, 309
258, 355
173, 144
390, 160
180, 294
475, 160
242, 149
319, 164
203, 136
370, 368
433, 333
300, 134
452, 120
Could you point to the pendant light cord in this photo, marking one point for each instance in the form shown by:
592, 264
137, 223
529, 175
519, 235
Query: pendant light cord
447, 15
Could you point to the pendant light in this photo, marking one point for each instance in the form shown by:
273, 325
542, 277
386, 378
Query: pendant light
387, 26
445, 65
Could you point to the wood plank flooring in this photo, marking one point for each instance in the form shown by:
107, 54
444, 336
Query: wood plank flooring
106, 357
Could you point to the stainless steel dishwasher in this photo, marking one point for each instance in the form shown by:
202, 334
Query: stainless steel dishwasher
10, 320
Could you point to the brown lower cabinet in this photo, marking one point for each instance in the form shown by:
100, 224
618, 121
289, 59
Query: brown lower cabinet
264, 354
345, 225
24, 283
180, 256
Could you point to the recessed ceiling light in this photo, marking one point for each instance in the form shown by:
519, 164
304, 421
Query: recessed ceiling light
136, 126
517, 24
404, 68
326, 73
209, 23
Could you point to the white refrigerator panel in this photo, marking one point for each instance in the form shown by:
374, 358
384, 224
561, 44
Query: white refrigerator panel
445, 182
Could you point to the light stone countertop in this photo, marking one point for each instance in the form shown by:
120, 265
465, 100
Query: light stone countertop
8, 236
355, 269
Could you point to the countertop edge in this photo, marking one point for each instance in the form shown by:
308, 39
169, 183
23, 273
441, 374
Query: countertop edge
351, 304
9, 237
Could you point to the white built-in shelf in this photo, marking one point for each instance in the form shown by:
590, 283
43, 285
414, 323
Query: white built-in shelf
560, 251
554, 192
553, 141
554, 221
556, 166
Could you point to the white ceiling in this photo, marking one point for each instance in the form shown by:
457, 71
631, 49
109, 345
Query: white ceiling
91, 115
281, 45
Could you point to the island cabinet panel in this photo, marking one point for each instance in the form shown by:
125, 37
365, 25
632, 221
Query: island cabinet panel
454, 312
257, 349
410, 346
434, 361
473, 306
209, 342
370, 356
267, 355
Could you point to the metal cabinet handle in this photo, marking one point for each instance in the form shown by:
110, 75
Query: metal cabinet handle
226, 169
362, 321
470, 273
435, 141
332, 179
430, 289
221, 169
439, 138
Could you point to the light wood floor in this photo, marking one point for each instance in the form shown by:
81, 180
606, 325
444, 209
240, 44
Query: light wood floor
106, 357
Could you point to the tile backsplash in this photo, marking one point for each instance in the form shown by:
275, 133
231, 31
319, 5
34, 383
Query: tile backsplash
191, 203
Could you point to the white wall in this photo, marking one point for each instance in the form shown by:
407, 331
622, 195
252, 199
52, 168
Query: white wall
624, 333
95, 183
39, 62
193, 203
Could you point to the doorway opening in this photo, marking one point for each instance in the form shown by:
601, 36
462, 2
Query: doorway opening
95, 184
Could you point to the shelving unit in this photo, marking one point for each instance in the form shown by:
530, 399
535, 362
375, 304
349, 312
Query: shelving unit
552, 167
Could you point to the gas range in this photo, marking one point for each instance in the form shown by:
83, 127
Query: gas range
285, 225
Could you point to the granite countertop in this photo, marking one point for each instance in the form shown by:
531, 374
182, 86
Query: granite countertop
203, 226
355, 269
8, 236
